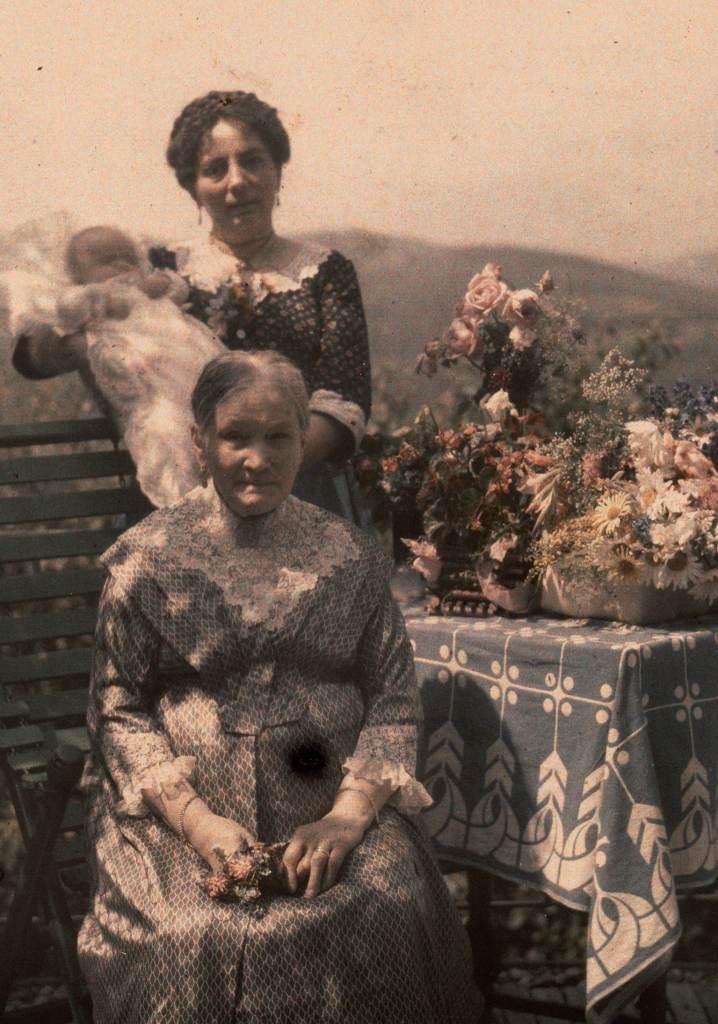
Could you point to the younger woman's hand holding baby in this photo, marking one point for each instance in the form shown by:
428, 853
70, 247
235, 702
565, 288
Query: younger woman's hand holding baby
79, 306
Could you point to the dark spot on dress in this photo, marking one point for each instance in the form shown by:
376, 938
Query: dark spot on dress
308, 758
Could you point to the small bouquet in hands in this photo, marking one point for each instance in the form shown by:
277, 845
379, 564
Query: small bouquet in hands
249, 875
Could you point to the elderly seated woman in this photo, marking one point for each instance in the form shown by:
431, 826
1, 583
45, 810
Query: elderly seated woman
253, 682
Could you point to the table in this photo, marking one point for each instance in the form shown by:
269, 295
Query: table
579, 757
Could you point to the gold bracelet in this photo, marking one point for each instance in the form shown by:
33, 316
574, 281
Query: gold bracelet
355, 789
180, 820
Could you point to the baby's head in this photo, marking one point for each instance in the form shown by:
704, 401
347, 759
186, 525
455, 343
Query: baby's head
99, 253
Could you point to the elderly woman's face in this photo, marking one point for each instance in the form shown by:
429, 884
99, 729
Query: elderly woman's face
253, 450
237, 183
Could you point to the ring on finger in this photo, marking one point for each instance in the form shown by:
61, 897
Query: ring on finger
320, 852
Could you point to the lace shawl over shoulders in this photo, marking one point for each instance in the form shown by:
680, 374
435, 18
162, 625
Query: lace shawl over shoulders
262, 566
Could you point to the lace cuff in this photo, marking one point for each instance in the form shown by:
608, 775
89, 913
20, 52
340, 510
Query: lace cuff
132, 804
408, 795
349, 414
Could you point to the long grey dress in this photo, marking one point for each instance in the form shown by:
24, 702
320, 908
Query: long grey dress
225, 646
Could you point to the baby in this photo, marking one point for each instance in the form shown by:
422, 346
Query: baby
145, 354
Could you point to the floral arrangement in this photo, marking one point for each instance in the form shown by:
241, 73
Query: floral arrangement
462, 493
248, 876
633, 500
627, 493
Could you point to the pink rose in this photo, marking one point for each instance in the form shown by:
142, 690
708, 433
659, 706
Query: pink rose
460, 338
426, 560
485, 292
522, 307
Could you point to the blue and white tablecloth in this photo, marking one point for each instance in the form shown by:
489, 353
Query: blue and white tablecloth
579, 757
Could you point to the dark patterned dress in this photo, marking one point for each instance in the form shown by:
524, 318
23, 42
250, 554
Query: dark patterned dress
223, 647
310, 311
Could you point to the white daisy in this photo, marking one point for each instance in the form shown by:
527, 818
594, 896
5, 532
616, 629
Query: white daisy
663, 536
673, 501
691, 524
706, 588
648, 444
680, 572
650, 485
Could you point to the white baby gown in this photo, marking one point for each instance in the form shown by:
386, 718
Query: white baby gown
145, 365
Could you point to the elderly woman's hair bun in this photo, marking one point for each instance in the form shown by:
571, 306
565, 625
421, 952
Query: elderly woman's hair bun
201, 115
233, 372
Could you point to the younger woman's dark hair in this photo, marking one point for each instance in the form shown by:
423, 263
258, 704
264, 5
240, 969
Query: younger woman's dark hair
201, 115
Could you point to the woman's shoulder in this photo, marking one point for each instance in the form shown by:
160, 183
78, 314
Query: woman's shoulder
336, 542
156, 533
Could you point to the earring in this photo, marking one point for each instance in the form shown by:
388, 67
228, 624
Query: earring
199, 214
203, 475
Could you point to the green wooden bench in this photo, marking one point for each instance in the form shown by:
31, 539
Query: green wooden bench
66, 492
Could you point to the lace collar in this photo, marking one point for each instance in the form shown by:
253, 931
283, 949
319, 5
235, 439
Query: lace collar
208, 266
262, 565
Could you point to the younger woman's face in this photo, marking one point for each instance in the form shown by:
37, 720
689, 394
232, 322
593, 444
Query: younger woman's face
253, 449
237, 183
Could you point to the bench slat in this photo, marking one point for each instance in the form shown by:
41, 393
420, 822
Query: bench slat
26, 547
50, 706
29, 668
14, 435
30, 760
86, 465
37, 586
48, 626
42, 507
12, 711
21, 736
76, 736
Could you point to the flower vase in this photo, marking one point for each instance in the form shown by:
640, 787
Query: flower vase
638, 605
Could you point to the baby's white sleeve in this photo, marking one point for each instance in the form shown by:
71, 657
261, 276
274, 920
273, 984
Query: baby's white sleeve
27, 301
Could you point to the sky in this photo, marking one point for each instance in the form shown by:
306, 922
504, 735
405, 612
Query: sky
588, 125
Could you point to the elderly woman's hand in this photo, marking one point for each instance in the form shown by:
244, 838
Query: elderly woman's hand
317, 852
207, 832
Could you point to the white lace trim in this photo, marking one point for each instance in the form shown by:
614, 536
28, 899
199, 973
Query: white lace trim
408, 795
208, 266
132, 804
202, 534
349, 414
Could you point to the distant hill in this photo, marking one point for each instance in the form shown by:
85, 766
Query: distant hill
410, 288
700, 269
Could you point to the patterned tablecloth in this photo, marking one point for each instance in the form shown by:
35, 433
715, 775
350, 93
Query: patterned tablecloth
579, 757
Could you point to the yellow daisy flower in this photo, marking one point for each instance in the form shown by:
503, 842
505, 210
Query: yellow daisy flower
610, 512
622, 566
